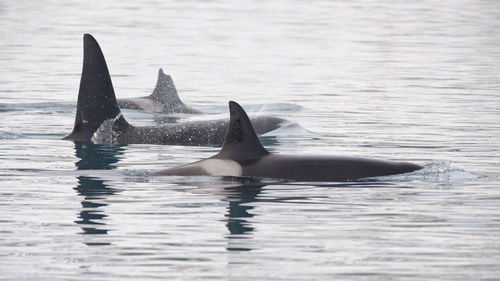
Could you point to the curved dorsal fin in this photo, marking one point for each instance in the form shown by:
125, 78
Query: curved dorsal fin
96, 97
241, 141
165, 90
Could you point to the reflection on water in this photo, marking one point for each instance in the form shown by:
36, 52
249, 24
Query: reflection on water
238, 212
94, 190
97, 157
239, 195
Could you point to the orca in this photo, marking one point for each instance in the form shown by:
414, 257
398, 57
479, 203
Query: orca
99, 118
164, 99
242, 155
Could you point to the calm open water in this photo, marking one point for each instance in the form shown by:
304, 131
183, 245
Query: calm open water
403, 80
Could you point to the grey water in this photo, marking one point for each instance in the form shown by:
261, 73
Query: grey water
416, 81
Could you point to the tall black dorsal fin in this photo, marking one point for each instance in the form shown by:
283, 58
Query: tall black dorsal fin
241, 141
96, 98
165, 90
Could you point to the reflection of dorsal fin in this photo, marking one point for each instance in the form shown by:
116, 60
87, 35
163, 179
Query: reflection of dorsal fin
241, 141
96, 98
165, 91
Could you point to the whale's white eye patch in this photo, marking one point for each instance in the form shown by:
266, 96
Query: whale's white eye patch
221, 167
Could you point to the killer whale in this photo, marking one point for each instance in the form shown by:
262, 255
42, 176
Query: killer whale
164, 99
242, 155
99, 118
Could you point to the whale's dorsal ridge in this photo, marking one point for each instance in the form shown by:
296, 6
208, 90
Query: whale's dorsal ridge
241, 141
96, 97
165, 90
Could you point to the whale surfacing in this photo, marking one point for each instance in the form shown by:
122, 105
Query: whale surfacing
99, 118
164, 99
242, 155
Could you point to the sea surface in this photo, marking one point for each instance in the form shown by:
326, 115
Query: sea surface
415, 81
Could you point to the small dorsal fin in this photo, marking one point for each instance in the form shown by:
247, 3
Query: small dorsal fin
165, 90
166, 94
241, 141
96, 97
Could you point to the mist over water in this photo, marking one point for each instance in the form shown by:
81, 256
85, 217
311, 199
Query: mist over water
398, 80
